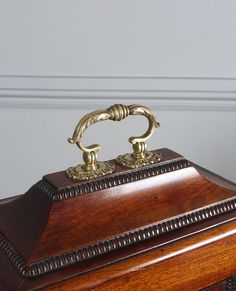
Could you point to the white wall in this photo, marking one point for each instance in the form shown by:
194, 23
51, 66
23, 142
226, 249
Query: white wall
62, 59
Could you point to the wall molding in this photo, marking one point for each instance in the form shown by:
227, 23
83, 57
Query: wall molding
162, 92
45, 76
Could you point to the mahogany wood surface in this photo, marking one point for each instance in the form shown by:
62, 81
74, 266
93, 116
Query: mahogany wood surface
189, 264
125, 227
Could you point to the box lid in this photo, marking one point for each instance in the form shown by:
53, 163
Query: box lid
62, 221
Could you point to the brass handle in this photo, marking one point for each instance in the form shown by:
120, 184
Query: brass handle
117, 112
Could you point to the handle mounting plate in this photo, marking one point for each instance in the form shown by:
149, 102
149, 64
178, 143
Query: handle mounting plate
78, 173
129, 161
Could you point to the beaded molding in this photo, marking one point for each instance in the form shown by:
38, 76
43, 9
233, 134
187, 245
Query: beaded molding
230, 284
114, 243
111, 180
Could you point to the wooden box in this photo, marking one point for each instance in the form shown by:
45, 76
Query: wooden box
146, 221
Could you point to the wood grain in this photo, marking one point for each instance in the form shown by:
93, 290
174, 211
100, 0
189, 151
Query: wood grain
189, 264
60, 229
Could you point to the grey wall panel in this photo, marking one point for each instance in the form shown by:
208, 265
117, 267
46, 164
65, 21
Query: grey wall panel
61, 59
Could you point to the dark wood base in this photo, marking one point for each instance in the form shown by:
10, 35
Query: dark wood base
168, 226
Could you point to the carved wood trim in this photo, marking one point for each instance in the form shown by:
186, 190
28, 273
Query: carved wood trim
114, 243
230, 284
111, 180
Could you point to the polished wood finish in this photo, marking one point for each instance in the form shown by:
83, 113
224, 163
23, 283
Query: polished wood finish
132, 225
187, 264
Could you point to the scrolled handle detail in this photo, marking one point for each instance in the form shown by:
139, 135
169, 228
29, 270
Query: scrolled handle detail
116, 112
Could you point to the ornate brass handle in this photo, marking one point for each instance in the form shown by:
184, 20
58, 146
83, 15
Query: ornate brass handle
92, 168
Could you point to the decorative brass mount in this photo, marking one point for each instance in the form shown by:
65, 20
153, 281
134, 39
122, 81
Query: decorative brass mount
140, 157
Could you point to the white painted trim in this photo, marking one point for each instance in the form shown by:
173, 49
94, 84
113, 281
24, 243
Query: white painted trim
148, 84
45, 76
101, 102
167, 93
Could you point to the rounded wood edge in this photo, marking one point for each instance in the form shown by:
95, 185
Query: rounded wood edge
190, 264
